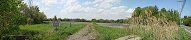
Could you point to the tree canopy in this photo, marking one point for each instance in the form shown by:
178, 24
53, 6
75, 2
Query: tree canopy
14, 13
34, 16
10, 16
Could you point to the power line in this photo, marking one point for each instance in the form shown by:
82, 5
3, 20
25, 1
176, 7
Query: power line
182, 7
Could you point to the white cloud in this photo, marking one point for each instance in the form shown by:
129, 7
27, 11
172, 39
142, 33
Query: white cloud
103, 3
49, 2
99, 9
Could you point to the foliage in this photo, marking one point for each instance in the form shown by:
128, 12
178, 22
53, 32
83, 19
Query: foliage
187, 21
67, 19
121, 21
46, 31
14, 13
95, 20
55, 18
151, 13
34, 16
153, 24
110, 21
156, 32
10, 17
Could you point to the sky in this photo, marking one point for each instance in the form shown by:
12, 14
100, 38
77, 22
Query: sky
103, 9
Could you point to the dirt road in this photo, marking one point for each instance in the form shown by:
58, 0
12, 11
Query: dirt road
188, 29
87, 33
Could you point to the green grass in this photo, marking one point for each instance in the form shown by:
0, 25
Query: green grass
43, 32
47, 32
37, 27
145, 32
184, 35
110, 33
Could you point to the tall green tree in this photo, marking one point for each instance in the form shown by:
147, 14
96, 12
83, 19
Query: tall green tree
34, 16
10, 16
55, 18
155, 11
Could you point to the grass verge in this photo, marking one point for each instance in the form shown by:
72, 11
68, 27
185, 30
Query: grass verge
157, 32
109, 33
146, 32
46, 31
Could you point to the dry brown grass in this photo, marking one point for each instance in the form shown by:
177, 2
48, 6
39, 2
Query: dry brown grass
156, 29
154, 32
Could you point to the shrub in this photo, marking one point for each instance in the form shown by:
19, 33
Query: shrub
187, 21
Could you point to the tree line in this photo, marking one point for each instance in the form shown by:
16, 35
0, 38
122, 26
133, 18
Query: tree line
109, 21
85, 20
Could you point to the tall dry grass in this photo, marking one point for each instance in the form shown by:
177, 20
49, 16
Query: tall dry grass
156, 29
154, 32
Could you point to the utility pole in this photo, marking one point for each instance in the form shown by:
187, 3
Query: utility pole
182, 7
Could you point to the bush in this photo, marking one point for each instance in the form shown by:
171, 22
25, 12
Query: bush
156, 32
151, 24
151, 13
187, 21
10, 17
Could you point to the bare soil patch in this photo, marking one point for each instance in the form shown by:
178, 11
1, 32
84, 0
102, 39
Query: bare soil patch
87, 33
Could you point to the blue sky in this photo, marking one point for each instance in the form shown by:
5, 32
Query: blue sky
102, 9
169, 4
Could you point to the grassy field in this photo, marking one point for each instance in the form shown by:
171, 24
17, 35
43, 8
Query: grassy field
145, 32
47, 32
110, 33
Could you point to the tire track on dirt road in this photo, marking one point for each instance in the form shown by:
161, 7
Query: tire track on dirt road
87, 33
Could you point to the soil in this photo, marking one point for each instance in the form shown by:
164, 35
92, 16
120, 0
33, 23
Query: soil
130, 37
87, 33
